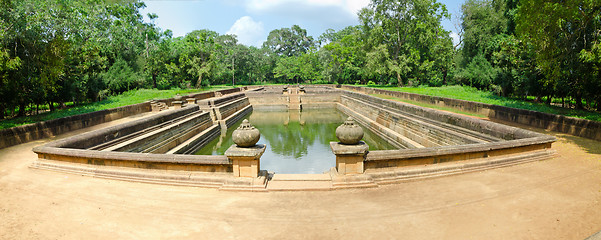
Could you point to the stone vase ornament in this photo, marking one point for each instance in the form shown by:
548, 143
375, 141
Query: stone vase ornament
349, 132
177, 97
246, 135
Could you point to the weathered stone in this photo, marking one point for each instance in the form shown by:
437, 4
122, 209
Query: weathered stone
444, 144
245, 160
177, 104
349, 158
246, 135
343, 149
349, 132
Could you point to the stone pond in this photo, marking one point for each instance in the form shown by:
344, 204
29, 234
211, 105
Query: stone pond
297, 141
187, 142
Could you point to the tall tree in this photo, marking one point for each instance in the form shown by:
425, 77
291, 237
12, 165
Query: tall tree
565, 36
409, 30
288, 42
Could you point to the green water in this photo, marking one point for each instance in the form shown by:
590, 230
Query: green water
297, 141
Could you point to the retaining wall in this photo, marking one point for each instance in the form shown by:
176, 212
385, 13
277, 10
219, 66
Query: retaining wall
271, 97
173, 131
26, 133
72, 149
22, 134
573, 126
379, 115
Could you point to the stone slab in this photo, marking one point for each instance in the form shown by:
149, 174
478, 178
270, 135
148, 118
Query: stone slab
299, 186
301, 177
254, 152
339, 148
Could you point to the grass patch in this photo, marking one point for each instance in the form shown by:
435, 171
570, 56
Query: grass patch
124, 99
475, 95
427, 105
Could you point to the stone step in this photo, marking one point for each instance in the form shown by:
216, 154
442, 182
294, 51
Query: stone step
301, 177
299, 186
294, 106
295, 99
300, 182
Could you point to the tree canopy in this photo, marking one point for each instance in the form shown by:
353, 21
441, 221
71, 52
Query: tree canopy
58, 52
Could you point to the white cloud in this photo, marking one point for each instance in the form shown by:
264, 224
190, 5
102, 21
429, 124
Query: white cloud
455, 37
327, 11
248, 31
351, 6
355, 5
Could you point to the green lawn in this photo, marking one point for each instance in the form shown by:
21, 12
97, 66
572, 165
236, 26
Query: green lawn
472, 94
127, 98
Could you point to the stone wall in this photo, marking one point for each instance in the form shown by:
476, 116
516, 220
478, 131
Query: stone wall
271, 97
104, 135
75, 149
268, 99
34, 131
558, 123
447, 137
476, 125
421, 133
140, 144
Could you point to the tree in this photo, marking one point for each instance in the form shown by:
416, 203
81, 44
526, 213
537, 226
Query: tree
57, 51
289, 41
343, 57
288, 68
409, 30
565, 36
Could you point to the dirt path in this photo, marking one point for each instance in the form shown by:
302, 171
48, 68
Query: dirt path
552, 199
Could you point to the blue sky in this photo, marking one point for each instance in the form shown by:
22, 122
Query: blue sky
252, 20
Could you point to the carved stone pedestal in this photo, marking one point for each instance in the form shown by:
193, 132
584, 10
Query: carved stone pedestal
349, 158
177, 104
246, 160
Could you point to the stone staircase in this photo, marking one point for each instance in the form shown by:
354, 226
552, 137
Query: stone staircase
294, 99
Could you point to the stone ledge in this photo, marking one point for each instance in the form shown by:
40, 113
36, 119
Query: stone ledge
253, 152
225, 181
344, 149
65, 153
448, 150
388, 176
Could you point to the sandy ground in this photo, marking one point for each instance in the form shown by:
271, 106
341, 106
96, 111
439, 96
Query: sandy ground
552, 199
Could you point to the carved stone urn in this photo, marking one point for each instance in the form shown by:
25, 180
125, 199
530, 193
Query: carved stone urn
246, 135
349, 132
177, 97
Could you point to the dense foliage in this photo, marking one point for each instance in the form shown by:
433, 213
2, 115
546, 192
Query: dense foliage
543, 48
55, 52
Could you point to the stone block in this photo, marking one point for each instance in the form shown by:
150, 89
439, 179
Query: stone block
246, 161
349, 158
177, 104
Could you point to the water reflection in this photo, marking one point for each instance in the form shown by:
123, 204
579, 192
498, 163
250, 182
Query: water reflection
297, 142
